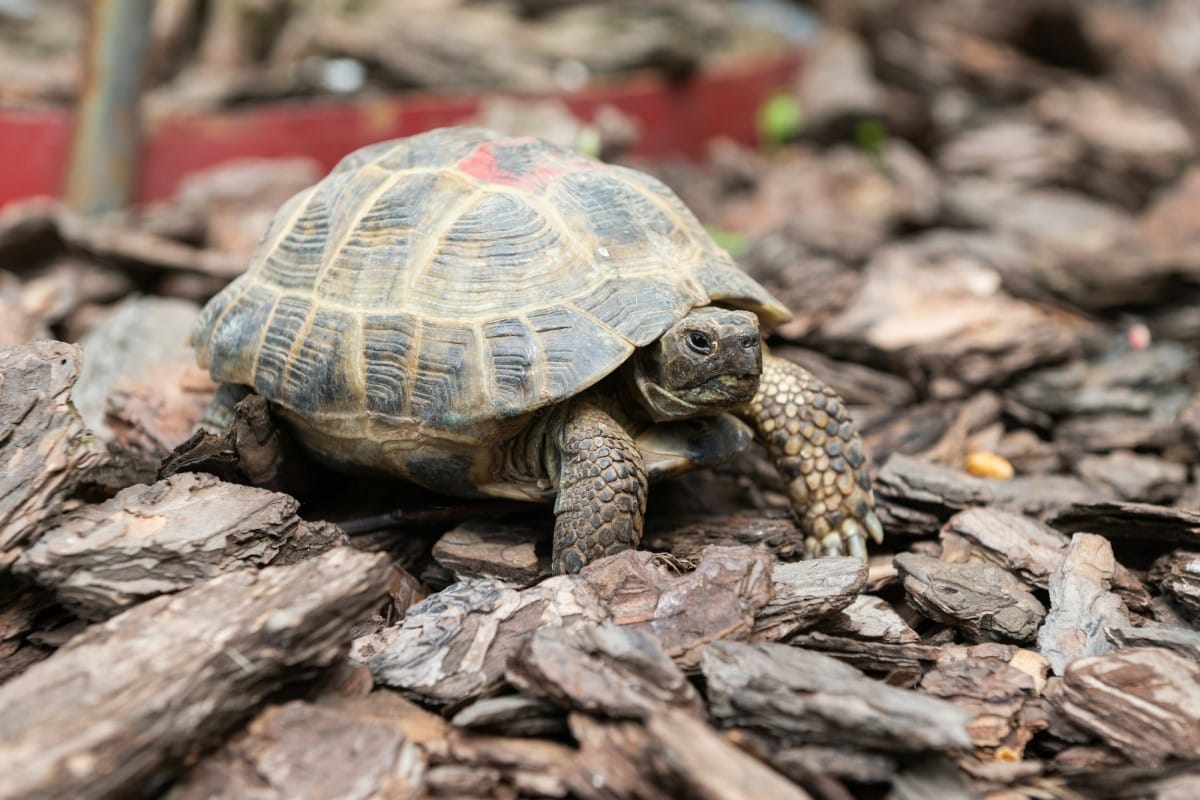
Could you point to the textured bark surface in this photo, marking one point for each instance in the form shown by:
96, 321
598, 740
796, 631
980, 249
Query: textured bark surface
605, 670
44, 445
152, 540
1082, 604
1144, 701
985, 602
479, 548
806, 696
806, 592
141, 690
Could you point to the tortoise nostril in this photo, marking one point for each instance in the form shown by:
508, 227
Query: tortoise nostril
747, 342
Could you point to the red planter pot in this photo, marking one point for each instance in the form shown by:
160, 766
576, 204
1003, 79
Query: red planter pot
675, 116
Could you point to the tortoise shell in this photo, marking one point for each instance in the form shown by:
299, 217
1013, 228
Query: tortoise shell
448, 285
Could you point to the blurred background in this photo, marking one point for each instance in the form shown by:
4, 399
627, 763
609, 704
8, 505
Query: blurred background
982, 214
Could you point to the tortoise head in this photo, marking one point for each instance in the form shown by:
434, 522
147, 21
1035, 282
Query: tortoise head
706, 363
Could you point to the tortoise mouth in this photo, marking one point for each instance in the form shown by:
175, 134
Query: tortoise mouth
727, 389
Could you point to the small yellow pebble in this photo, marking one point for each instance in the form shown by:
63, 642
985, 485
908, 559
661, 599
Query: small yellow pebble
989, 465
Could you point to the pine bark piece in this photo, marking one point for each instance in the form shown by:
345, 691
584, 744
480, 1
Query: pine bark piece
604, 670
1143, 701
454, 645
487, 548
512, 715
139, 690
983, 681
982, 600
676, 754
156, 410
1178, 575
44, 445
802, 695
1135, 477
1184, 641
515, 767
1142, 522
869, 618
881, 656
686, 537
917, 497
1082, 603
301, 751
805, 592
151, 540
1027, 548
719, 599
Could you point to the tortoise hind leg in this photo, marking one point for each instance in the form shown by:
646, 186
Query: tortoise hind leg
601, 499
813, 444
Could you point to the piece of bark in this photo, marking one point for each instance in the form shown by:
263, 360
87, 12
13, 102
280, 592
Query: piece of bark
1129, 148
881, 656
1103, 433
676, 754
17, 326
614, 762
936, 311
303, 751
837, 88
454, 645
719, 599
44, 446
140, 690
1015, 151
1027, 548
136, 335
817, 766
1082, 604
982, 600
805, 592
485, 548
805, 696
931, 777
516, 767
1178, 574
1184, 641
152, 540
1143, 701
604, 670
1086, 250
24, 610
871, 619
686, 536
156, 410
853, 200
1142, 522
983, 681
54, 292
1135, 477
917, 497
512, 715
1169, 227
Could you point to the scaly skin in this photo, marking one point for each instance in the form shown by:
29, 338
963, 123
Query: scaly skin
813, 444
601, 499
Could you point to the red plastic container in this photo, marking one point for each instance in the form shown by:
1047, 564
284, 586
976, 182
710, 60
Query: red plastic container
675, 116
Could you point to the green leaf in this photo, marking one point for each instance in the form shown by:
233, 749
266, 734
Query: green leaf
779, 120
734, 243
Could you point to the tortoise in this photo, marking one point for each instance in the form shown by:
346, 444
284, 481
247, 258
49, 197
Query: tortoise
491, 316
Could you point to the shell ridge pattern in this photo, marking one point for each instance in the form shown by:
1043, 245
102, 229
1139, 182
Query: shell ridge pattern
365, 207
241, 287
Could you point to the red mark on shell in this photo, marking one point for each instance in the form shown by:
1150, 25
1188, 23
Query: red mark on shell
481, 164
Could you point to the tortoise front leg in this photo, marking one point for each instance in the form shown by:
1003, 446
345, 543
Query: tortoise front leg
601, 490
813, 444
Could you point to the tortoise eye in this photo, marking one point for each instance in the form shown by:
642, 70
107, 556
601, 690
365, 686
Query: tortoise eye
699, 342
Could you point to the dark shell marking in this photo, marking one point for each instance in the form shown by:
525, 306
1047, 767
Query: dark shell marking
443, 286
